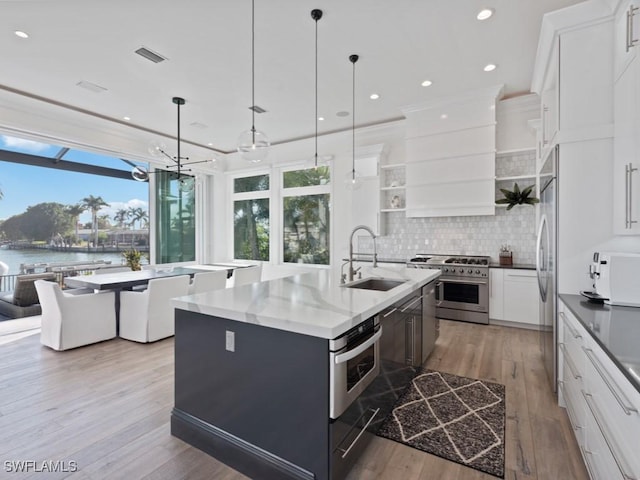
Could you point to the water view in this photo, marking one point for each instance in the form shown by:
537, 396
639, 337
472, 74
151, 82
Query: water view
14, 258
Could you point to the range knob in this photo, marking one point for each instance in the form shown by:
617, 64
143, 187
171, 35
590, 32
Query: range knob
477, 272
461, 270
446, 269
470, 271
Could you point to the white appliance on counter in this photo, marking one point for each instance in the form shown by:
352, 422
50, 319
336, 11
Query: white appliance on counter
546, 263
615, 278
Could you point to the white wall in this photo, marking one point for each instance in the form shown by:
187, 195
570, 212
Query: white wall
470, 235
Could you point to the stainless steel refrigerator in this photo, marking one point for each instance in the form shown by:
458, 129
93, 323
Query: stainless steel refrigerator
546, 263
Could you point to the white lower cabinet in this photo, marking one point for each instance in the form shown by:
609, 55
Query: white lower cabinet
514, 296
601, 403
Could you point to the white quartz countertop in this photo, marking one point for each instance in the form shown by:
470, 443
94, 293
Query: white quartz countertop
310, 303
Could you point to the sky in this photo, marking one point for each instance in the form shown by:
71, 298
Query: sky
25, 185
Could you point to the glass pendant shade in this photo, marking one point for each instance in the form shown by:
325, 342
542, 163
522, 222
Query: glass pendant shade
352, 180
141, 174
253, 145
157, 149
186, 183
317, 161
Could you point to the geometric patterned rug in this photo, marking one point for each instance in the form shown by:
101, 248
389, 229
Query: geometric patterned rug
457, 418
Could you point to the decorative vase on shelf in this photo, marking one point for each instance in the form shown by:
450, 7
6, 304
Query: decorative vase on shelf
395, 201
506, 255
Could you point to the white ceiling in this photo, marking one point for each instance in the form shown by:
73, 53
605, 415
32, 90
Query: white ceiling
208, 46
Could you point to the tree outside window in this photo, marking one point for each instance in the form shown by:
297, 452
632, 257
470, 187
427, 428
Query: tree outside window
306, 216
251, 218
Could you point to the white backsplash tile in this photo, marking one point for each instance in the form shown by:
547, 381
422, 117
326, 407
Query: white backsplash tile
477, 235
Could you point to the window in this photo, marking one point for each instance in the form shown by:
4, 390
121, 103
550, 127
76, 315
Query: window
251, 217
175, 220
305, 216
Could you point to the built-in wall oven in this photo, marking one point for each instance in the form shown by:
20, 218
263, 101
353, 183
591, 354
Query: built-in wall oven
354, 362
462, 290
354, 365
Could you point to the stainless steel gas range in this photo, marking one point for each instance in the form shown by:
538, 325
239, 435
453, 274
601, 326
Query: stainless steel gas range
462, 290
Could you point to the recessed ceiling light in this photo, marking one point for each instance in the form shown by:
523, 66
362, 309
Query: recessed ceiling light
374, 96
489, 68
21, 34
321, 118
127, 118
485, 13
210, 144
426, 83
444, 116
342, 113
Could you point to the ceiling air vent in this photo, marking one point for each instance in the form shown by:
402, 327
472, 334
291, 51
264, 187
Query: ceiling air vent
91, 86
149, 55
257, 109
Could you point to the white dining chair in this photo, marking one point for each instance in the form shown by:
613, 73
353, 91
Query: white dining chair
148, 316
205, 281
247, 275
70, 321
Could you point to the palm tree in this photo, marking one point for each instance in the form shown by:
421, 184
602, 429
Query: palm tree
94, 204
75, 211
120, 217
137, 214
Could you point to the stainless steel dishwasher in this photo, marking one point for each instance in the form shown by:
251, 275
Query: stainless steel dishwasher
410, 328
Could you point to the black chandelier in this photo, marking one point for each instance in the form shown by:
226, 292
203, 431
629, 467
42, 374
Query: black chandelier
157, 149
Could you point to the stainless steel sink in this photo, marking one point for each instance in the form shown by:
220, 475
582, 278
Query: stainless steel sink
381, 284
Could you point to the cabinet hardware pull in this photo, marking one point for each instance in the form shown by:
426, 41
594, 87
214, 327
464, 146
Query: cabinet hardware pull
409, 339
568, 360
613, 448
348, 355
570, 409
631, 170
573, 332
626, 196
608, 382
519, 275
631, 42
409, 306
346, 452
466, 282
586, 454
389, 312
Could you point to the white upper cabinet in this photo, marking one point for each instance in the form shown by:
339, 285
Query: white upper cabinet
451, 145
627, 35
626, 108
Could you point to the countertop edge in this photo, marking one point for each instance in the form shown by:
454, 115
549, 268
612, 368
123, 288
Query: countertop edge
192, 303
515, 266
566, 299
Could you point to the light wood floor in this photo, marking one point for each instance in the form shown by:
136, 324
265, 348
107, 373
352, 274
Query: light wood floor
107, 408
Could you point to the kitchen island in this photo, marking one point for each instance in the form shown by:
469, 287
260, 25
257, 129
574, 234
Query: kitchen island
252, 368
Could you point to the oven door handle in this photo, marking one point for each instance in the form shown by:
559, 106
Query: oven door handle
468, 282
346, 356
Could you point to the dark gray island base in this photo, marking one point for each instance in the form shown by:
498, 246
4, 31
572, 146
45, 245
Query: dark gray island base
262, 409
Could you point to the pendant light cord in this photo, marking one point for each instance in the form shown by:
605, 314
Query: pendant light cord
178, 141
316, 137
253, 74
353, 59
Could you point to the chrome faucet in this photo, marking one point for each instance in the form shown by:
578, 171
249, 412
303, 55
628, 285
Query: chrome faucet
352, 272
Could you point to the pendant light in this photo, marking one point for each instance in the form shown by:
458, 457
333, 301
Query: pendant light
158, 149
315, 161
253, 145
353, 181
